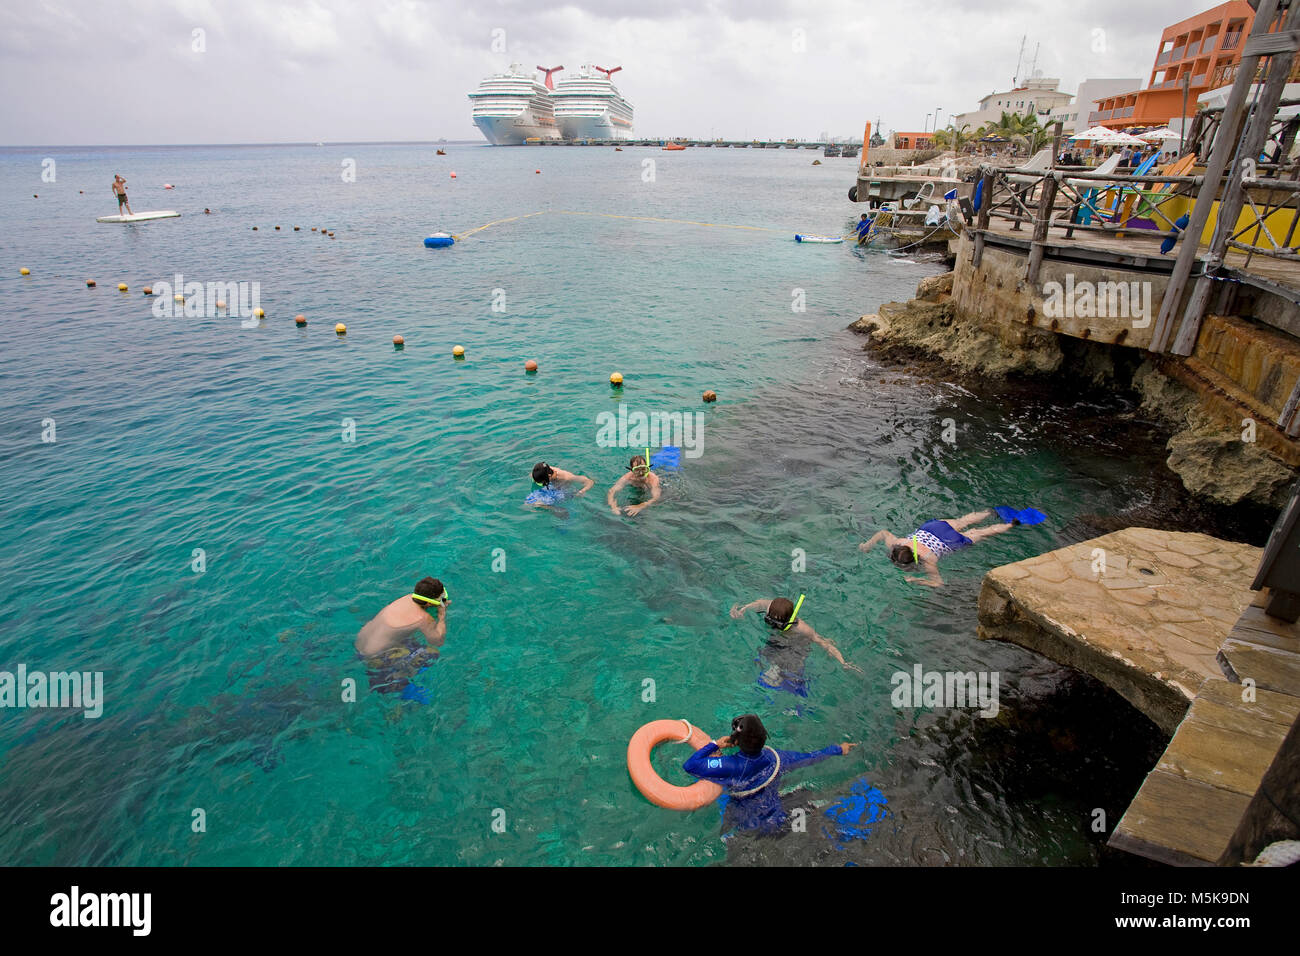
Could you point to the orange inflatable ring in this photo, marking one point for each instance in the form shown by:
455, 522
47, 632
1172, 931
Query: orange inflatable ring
652, 786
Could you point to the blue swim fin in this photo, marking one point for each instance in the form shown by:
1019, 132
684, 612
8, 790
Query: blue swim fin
1026, 517
669, 458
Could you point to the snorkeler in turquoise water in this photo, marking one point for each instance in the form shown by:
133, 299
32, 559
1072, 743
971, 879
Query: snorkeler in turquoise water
788, 644
751, 778
553, 485
388, 643
927, 544
640, 477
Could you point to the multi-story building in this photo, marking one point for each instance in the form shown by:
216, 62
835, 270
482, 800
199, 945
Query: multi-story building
1037, 96
1073, 116
1195, 55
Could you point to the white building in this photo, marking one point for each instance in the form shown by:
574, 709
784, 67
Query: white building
1074, 115
1038, 95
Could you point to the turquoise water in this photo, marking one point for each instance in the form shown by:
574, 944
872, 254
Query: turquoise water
224, 689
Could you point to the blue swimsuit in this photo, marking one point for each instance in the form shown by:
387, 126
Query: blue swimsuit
548, 495
752, 783
941, 538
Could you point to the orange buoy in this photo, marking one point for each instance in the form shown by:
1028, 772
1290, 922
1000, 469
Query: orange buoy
398, 341
341, 329
300, 320
654, 787
313, 228
297, 228
458, 352
453, 174
530, 366
538, 171
221, 303
710, 396
254, 229
148, 290
277, 228
90, 283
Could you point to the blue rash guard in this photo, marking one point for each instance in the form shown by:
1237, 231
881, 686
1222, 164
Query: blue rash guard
752, 784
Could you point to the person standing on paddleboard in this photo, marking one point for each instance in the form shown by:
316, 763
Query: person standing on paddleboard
119, 190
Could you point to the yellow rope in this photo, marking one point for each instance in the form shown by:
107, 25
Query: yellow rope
608, 215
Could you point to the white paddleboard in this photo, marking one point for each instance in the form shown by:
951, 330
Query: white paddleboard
141, 216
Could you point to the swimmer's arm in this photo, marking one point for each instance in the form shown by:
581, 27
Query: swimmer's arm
654, 496
932, 577
888, 538
793, 759
615, 489
710, 764
830, 648
435, 632
587, 483
762, 605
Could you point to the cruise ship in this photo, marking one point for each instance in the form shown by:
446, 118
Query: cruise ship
514, 107
589, 106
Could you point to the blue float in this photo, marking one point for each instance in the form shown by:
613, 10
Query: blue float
438, 240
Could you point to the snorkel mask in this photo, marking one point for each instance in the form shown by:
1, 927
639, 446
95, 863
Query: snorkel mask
786, 625
549, 472
435, 602
642, 470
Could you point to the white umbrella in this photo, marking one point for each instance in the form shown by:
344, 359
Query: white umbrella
1116, 138
1093, 133
1158, 135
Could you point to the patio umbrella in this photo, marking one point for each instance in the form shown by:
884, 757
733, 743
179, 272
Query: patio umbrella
1116, 138
1093, 133
1158, 135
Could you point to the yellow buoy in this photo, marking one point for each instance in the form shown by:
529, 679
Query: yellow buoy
341, 329
178, 297
616, 380
24, 272
121, 287
458, 352
259, 313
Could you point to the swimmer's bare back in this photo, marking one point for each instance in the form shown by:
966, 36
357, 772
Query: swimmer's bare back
394, 624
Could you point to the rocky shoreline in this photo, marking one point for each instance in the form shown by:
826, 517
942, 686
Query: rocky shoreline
1206, 452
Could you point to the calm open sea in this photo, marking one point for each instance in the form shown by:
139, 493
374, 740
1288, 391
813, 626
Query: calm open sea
224, 688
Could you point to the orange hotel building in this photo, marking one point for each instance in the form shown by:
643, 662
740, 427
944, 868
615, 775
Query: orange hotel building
1205, 48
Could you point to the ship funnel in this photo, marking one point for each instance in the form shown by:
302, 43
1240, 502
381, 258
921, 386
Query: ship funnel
609, 74
550, 84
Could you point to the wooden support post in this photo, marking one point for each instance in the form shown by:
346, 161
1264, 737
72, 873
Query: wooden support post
1252, 142
1289, 421
1224, 148
1043, 220
982, 218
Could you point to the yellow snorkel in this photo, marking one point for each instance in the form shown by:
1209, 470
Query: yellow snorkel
436, 602
644, 469
916, 558
794, 615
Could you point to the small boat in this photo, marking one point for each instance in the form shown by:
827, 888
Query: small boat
801, 238
618, 149
442, 152
674, 146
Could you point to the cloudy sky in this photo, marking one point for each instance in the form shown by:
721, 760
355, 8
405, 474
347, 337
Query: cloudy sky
136, 71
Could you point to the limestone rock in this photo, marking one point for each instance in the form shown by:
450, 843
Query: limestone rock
932, 288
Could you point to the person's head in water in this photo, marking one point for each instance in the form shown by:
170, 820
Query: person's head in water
749, 734
542, 473
639, 468
430, 589
779, 613
903, 554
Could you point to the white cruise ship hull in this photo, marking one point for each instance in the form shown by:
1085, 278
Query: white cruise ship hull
513, 130
600, 126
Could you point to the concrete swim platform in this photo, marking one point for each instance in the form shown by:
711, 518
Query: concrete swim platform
1170, 623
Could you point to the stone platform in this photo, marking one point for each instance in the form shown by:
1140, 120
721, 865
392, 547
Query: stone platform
1144, 611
